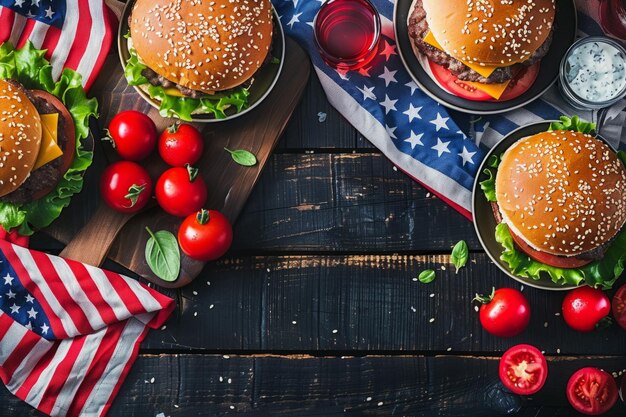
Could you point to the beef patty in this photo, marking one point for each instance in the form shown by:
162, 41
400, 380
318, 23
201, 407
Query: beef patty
49, 174
418, 28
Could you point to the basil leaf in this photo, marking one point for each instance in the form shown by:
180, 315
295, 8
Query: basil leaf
427, 276
242, 157
460, 254
574, 123
163, 255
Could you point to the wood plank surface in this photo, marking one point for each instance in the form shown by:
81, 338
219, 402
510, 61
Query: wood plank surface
254, 385
359, 303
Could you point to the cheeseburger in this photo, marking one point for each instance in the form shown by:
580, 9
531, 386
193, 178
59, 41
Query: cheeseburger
197, 50
37, 142
482, 45
562, 195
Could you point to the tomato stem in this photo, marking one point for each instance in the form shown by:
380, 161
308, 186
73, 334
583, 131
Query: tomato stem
108, 138
174, 127
134, 191
193, 172
485, 299
604, 323
203, 216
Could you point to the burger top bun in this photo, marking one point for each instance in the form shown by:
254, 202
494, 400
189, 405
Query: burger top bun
20, 136
204, 45
563, 192
490, 32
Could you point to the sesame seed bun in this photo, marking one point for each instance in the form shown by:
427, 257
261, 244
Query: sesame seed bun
562, 192
501, 33
20, 136
205, 45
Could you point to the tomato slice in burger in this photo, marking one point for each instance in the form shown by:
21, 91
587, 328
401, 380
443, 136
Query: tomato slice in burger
619, 308
523, 369
518, 85
592, 391
547, 258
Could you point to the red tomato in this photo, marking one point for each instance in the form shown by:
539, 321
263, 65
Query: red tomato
546, 258
133, 135
523, 369
505, 312
180, 191
592, 391
585, 307
518, 86
180, 144
205, 235
619, 308
126, 186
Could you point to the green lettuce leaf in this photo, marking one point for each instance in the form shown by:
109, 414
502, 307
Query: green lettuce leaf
29, 66
489, 185
574, 123
601, 273
184, 107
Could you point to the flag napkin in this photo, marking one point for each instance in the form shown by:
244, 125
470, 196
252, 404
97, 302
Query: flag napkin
77, 33
70, 332
417, 134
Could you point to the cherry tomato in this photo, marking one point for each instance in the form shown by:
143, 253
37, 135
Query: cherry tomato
518, 86
592, 391
133, 135
585, 307
619, 308
126, 186
505, 312
205, 235
180, 191
523, 369
547, 258
180, 144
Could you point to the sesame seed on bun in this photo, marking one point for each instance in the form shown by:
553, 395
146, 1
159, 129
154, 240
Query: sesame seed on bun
20, 136
204, 45
490, 32
562, 192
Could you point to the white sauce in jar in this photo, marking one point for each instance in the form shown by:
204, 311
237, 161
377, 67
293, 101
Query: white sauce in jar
596, 71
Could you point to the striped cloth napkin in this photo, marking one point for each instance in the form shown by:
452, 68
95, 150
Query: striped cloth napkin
417, 134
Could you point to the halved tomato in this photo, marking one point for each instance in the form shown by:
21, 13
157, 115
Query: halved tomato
547, 258
619, 307
520, 83
523, 369
592, 391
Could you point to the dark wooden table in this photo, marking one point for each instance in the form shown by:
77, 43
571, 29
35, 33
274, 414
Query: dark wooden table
316, 310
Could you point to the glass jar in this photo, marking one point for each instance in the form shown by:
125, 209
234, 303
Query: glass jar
592, 74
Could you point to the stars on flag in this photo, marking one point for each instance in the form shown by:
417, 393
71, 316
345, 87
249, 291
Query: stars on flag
388, 76
388, 50
368, 92
467, 156
294, 19
440, 122
415, 139
389, 104
51, 12
413, 112
441, 147
8, 280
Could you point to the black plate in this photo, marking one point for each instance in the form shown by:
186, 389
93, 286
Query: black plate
485, 222
564, 35
264, 80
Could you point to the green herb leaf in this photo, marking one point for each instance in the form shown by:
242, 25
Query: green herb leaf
460, 254
163, 255
242, 157
489, 185
28, 66
275, 60
427, 276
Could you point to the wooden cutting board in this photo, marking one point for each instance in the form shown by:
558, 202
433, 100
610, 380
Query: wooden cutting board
123, 237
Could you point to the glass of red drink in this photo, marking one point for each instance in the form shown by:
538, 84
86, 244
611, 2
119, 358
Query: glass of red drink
613, 17
347, 33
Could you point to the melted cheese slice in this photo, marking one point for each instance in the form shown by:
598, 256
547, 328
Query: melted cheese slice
494, 90
49, 150
484, 70
173, 92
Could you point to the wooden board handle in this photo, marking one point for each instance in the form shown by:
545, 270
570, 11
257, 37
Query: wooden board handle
103, 227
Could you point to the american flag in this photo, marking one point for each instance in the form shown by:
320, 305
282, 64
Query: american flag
76, 33
70, 332
416, 133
